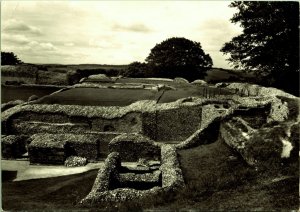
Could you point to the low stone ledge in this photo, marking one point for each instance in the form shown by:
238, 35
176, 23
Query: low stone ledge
146, 177
11, 104
172, 177
120, 195
104, 179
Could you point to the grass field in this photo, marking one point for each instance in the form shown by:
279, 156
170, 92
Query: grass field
226, 75
123, 97
9, 93
100, 96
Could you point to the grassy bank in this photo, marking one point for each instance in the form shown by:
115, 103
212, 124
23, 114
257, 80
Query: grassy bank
218, 179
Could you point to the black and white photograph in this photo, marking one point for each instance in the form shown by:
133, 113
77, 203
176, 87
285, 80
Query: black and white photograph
151, 106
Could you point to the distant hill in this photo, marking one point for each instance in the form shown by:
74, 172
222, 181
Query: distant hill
60, 74
216, 75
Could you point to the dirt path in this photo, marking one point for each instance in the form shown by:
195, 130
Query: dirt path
25, 171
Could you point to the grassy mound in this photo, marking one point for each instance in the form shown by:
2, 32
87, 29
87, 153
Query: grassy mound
218, 179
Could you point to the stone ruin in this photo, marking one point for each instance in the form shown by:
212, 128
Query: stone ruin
149, 134
157, 173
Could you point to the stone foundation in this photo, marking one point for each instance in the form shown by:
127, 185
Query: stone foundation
55, 148
111, 180
134, 146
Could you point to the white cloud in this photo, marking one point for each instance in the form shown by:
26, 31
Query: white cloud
114, 32
135, 27
17, 26
8, 39
69, 44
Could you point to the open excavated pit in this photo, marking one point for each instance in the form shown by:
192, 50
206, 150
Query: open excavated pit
117, 183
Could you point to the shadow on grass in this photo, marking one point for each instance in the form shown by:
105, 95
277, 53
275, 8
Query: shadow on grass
8, 175
56, 193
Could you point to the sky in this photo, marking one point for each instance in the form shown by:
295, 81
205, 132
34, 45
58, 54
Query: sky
111, 32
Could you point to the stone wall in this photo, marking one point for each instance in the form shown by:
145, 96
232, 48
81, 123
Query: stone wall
13, 146
108, 183
264, 148
55, 148
32, 122
177, 124
134, 146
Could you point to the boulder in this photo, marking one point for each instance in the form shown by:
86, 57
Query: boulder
99, 77
180, 80
266, 148
74, 161
32, 98
199, 82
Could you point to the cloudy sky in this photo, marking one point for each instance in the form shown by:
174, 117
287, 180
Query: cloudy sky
111, 32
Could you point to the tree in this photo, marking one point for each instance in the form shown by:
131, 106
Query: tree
179, 57
136, 69
269, 43
9, 58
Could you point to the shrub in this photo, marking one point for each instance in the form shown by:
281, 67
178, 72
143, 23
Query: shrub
74, 161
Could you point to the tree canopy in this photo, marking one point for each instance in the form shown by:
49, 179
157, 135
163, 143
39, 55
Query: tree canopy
9, 58
136, 69
269, 43
178, 57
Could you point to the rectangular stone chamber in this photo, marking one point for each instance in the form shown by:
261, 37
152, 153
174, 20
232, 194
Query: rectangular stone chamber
55, 148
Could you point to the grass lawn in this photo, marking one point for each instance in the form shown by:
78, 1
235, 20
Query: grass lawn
9, 93
100, 96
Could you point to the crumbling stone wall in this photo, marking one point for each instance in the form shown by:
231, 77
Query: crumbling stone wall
13, 146
262, 148
55, 148
172, 177
177, 124
102, 191
31, 123
134, 146
210, 112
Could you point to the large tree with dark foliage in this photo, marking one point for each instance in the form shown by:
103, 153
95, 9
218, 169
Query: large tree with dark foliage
9, 58
269, 44
179, 57
136, 69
